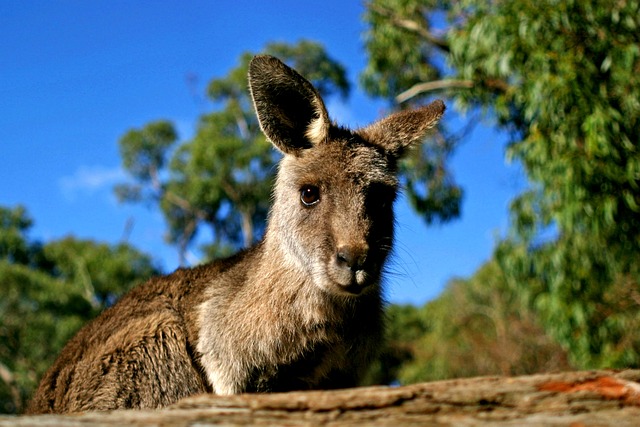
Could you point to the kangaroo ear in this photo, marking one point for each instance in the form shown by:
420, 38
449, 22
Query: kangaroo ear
401, 130
290, 111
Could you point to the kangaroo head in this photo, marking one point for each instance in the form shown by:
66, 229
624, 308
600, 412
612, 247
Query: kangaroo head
332, 216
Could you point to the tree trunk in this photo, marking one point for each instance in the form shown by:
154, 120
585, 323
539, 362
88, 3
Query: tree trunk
247, 228
593, 398
9, 379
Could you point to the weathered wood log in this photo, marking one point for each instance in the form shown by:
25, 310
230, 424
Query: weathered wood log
591, 398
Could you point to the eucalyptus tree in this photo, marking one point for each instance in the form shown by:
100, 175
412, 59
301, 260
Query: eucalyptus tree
562, 79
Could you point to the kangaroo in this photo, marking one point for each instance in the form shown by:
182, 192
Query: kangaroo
302, 309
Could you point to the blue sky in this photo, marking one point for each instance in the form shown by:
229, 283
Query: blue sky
75, 75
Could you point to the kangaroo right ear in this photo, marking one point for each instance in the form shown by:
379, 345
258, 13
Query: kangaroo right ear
290, 111
401, 130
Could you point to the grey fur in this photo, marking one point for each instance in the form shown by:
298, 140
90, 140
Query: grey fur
300, 310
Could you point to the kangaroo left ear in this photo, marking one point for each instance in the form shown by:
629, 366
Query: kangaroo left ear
401, 130
290, 110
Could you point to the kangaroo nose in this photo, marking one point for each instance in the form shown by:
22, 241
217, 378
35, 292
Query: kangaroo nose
353, 257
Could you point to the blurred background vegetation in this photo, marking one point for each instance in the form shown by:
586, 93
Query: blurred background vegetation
562, 289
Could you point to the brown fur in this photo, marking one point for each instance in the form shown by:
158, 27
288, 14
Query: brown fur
300, 310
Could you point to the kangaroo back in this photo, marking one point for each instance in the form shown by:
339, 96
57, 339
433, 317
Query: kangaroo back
300, 310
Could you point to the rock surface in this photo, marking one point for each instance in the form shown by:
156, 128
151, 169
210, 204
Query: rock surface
590, 398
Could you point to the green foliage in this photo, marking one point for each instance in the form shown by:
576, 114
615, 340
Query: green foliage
39, 313
396, 28
13, 224
563, 78
144, 152
98, 271
476, 327
573, 95
405, 325
48, 292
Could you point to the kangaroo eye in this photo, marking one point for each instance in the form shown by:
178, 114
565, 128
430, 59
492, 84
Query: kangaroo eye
310, 195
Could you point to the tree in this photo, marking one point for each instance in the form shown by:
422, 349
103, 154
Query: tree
480, 327
476, 327
562, 78
48, 292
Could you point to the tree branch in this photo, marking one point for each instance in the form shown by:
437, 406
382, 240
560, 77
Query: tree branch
420, 28
420, 88
172, 197
10, 380
495, 85
410, 25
